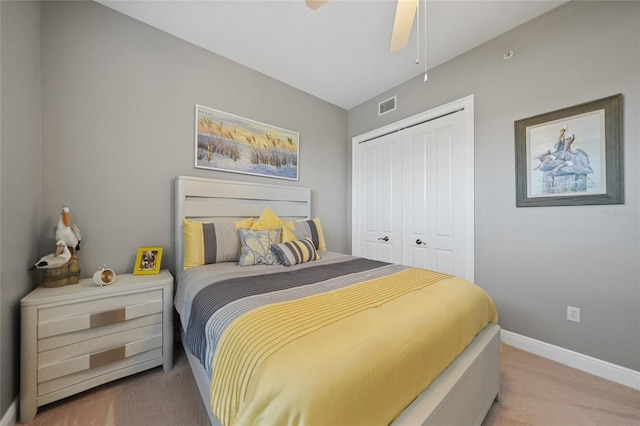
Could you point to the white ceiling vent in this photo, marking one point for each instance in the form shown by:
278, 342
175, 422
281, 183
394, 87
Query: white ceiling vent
387, 106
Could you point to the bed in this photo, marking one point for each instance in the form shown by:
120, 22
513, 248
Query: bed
317, 311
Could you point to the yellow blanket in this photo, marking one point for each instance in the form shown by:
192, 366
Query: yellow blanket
356, 355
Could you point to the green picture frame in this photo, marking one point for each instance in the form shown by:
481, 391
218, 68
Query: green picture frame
572, 156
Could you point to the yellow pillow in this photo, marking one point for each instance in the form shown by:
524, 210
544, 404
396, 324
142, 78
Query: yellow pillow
287, 234
267, 220
206, 243
244, 223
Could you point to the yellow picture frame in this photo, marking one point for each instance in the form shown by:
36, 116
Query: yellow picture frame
148, 261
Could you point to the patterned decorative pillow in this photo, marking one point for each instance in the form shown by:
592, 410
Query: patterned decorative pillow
206, 243
256, 246
294, 252
308, 229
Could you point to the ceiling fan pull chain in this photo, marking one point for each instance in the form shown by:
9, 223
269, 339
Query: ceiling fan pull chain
425, 40
418, 31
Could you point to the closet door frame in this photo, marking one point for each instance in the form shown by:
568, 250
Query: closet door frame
467, 105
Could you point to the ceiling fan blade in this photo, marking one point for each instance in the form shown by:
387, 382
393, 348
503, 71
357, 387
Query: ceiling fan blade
405, 13
315, 4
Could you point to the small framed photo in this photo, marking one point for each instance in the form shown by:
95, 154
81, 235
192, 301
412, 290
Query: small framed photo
148, 261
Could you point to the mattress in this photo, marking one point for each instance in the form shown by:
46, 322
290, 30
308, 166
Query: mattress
341, 340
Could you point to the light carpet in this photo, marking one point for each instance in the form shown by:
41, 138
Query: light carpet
534, 391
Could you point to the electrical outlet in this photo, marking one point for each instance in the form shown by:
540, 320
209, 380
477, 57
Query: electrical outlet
573, 314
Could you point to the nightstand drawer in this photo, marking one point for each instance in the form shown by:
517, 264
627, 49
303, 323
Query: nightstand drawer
84, 356
59, 355
97, 313
60, 340
90, 373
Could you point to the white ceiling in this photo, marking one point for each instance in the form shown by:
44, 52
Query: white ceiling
340, 52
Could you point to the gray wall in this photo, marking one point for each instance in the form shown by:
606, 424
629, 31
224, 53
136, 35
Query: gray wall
118, 124
19, 177
112, 124
536, 261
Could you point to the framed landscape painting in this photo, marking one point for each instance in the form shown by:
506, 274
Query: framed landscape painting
230, 143
572, 156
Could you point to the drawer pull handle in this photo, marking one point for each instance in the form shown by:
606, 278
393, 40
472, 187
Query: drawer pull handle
106, 318
106, 357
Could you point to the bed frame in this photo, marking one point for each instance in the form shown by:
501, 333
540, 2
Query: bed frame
461, 395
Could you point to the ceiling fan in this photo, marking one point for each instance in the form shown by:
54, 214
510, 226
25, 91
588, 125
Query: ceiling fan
405, 13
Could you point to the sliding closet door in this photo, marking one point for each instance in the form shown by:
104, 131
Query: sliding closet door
377, 199
413, 191
434, 195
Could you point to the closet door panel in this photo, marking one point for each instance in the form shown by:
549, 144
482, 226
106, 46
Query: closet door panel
418, 183
443, 261
416, 196
442, 164
379, 203
433, 196
369, 188
387, 185
448, 237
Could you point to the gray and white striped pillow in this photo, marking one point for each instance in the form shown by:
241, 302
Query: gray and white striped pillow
294, 252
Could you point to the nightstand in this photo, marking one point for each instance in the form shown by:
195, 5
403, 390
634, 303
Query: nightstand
82, 335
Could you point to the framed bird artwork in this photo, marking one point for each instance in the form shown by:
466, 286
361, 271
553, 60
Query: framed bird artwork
572, 156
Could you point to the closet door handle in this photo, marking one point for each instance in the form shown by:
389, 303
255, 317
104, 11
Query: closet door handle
420, 242
383, 239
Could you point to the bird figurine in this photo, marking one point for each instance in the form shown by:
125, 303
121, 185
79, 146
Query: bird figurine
55, 259
70, 234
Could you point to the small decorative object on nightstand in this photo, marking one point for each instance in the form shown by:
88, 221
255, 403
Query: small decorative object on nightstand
148, 260
104, 276
81, 336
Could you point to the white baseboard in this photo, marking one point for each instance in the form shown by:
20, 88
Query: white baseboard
606, 370
9, 418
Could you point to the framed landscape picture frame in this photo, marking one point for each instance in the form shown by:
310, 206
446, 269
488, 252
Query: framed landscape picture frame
231, 143
571, 156
148, 261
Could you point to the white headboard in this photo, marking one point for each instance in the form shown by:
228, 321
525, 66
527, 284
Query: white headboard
208, 200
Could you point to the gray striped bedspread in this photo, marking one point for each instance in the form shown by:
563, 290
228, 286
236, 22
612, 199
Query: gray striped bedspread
209, 298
